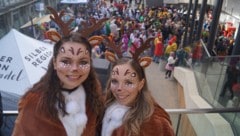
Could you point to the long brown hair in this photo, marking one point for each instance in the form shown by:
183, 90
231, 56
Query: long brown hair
50, 85
143, 106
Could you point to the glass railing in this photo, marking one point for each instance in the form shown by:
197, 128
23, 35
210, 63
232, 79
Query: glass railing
218, 82
195, 122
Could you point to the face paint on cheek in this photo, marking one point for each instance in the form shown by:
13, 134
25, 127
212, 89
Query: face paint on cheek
63, 66
85, 67
113, 87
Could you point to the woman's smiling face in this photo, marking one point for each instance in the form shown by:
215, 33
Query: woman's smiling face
72, 64
125, 84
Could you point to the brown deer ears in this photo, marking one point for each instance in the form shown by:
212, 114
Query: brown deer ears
145, 61
110, 56
95, 40
53, 35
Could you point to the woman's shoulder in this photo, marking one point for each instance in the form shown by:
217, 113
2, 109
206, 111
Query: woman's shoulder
30, 98
160, 120
160, 115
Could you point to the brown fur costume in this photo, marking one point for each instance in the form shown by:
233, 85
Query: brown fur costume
159, 124
40, 124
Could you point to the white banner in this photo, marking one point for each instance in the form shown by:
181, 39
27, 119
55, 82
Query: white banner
23, 61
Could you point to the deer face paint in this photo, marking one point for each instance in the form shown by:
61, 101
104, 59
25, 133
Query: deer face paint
125, 84
72, 64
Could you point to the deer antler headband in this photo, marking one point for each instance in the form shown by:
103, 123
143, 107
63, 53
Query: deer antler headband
117, 52
65, 30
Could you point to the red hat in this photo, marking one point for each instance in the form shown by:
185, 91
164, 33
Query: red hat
170, 42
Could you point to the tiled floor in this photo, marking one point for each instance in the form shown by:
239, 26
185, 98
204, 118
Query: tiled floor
163, 90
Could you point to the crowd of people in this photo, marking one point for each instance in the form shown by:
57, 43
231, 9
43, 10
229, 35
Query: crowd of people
129, 25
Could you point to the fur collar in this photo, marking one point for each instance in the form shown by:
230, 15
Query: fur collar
76, 120
113, 118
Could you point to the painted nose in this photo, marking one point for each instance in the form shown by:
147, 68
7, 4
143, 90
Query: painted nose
74, 67
119, 88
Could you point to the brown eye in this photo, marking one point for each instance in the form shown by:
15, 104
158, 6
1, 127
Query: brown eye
128, 83
114, 81
66, 62
83, 63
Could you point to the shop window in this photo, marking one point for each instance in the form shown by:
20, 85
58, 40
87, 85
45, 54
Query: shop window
3, 28
1, 4
16, 19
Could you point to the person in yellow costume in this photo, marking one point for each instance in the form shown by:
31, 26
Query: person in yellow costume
172, 45
150, 13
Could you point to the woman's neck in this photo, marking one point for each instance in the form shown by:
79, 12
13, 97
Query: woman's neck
69, 90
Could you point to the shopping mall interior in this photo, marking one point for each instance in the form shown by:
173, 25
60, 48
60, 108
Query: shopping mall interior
202, 96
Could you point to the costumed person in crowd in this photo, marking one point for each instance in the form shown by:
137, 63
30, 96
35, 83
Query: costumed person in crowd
181, 54
130, 108
67, 100
232, 78
197, 54
158, 48
125, 41
170, 65
188, 60
172, 46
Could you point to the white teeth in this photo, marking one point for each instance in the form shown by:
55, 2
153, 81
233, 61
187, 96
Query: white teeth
73, 77
121, 97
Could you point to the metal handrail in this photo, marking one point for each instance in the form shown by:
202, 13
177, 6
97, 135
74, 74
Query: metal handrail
205, 48
203, 110
171, 111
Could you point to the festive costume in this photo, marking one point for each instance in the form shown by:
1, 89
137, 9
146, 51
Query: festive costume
159, 123
170, 63
80, 120
158, 49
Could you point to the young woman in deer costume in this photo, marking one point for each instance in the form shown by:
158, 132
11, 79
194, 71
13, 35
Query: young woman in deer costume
130, 108
67, 100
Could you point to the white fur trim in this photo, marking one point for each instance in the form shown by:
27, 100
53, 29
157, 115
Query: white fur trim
113, 118
76, 120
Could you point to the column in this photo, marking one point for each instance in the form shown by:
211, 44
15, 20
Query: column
201, 19
192, 25
236, 47
214, 24
185, 43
